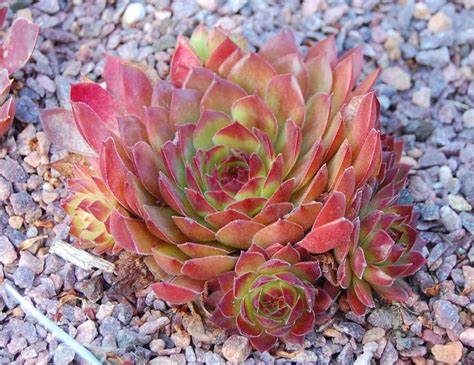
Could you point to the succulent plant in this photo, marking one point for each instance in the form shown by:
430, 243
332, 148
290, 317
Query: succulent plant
239, 153
15, 51
89, 205
271, 295
385, 246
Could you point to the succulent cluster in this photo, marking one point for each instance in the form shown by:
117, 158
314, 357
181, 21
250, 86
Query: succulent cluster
15, 51
258, 182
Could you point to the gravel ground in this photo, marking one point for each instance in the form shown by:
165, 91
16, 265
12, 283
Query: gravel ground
427, 96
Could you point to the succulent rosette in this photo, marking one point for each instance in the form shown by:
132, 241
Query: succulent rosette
89, 205
236, 150
271, 295
385, 246
16, 49
240, 153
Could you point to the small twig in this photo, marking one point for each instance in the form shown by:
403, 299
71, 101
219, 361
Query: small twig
80, 257
44, 321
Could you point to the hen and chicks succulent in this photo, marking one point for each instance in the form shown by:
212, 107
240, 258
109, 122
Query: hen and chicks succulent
257, 182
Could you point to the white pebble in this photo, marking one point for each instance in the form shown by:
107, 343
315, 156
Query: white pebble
133, 14
422, 97
468, 118
396, 77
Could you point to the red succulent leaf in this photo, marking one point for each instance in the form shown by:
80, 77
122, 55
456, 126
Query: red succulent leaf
221, 218
91, 127
333, 209
272, 212
249, 262
147, 164
7, 111
243, 283
366, 85
287, 253
354, 303
309, 270
315, 188
358, 262
328, 236
274, 266
99, 100
220, 54
238, 233
263, 342
377, 276
253, 73
304, 324
221, 94
198, 78
193, 229
367, 162
226, 305
283, 96
305, 214
169, 258
194, 249
251, 111
280, 45
379, 246
247, 328
226, 281
205, 268
320, 75
18, 44
325, 48
183, 60
363, 292
114, 167
282, 231
416, 260
179, 290
184, 106
322, 301
399, 291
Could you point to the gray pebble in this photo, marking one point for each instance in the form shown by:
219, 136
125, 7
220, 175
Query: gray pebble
7, 251
445, 313
352, 329
23, 277
434, 58
432, 157
12, 171
151, 327
450, 219
48, 6
22, 202
123, 312
109, 326
26, 110
63, 355
126, 338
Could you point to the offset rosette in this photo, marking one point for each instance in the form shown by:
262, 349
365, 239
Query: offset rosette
270, 296
15, 51
385, 246
89, 207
